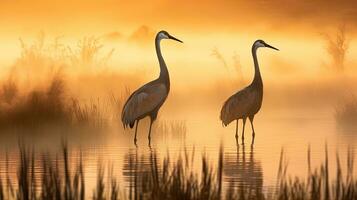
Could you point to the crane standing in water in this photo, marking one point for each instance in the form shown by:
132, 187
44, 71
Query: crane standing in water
147, 100
246, 102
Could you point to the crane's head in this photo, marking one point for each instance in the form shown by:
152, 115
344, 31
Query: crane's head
165, 35
261, 43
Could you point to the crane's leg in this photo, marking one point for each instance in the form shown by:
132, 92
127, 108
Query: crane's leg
237, 130
251, 118
136, 130
244, 120
149, 136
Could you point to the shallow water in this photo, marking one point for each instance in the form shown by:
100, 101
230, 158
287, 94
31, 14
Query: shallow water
254, 166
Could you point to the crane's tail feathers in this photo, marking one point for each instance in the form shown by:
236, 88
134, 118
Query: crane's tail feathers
131, 124
127, 123
225, 122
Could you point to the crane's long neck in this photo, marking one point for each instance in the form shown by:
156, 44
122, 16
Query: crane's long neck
164, 73
257, 76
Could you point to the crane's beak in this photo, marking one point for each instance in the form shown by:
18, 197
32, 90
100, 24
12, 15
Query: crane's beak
173, 38
267, 45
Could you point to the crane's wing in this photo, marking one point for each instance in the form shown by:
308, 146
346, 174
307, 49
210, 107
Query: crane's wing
143, 101
238, 105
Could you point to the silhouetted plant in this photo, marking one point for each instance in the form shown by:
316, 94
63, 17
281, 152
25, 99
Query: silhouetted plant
236, 66
46, 101
337, 47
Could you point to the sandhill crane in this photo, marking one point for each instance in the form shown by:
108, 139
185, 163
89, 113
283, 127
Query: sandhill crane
246, 102
147, 100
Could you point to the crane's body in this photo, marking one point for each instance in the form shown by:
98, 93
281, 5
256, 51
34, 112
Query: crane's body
148, 99
248, 101
243, 104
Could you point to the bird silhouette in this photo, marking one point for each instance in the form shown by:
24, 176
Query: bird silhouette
248, 101
148, 99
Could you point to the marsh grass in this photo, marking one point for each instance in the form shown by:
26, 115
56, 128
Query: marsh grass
37, 107
87, 54
51, 107
43, 55
337, 46
173, 179
60, 178
170, 129
63, 178
346, 112
9, 91
91, 114
230, 66
318, 185
117, 102
36, 93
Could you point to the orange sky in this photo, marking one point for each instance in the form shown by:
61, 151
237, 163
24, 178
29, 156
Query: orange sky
294, 26
97, 16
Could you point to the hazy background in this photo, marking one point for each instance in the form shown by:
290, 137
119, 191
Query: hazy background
108, 48
215, 59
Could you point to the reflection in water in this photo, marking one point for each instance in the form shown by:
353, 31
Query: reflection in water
347, 132
137, 169
242, 170
243, 166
